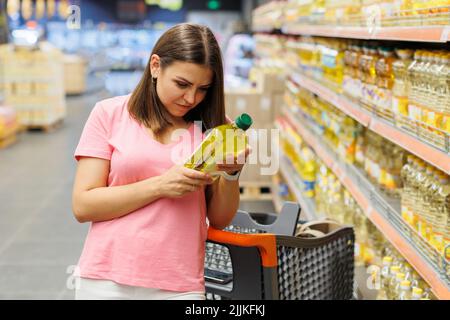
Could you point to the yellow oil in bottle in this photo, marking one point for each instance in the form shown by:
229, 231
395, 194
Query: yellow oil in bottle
392, 281
404, 292
385, 275
384, 81
418, 179
441, 200
425, 201
414, 108
416, 293
400, 89
218, 144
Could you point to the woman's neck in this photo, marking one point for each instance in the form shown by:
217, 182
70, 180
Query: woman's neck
178, 122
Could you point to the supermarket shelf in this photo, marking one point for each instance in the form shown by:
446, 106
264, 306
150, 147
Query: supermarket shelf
376, 206
421, 149
420, 34
307, 205
337, 100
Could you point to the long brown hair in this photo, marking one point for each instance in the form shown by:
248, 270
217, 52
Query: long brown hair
182, 43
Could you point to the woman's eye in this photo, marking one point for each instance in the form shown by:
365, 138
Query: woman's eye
204, 89
181, 85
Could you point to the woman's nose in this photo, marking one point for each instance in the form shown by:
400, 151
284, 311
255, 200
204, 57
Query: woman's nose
189, 96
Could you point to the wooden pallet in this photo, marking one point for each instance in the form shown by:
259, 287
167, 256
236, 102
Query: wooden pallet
255, 191
47, 128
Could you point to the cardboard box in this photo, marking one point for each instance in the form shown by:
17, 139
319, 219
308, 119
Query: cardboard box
277, 104
74, 74
258, 106
268, 82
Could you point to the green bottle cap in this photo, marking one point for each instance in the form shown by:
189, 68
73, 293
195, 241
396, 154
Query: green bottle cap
244, 121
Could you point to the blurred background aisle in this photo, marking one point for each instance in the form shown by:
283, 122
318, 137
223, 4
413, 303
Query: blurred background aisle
359, 91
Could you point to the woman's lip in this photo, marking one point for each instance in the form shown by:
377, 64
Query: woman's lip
183, 106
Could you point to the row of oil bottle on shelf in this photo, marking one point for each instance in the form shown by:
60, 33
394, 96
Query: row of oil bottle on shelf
354, 12
423, 190
390, 274
409, 88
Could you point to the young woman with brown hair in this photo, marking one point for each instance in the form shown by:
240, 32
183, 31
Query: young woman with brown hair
149, 215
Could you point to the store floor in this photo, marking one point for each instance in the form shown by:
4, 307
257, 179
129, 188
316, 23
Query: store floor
40, 241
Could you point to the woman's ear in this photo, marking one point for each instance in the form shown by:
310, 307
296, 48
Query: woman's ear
155, 65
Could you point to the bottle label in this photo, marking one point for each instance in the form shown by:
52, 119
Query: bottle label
390, 181
405, 214
382, 179
438, 241
400, 105
447, 249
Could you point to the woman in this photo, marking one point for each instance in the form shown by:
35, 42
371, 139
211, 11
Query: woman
149, 215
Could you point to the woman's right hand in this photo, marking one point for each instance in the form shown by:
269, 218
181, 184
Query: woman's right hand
179, 181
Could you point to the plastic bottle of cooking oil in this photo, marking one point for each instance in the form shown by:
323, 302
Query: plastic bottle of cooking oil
406, 174
400, 87
408, 271
394, 284
383, 162
221, 141
416, 293
321, 189
427, 59
425, 200
426, 294
378, 156
442, 89
427, 79
414, 109
364, 72
442, 201
405, 290
395, 158
385, 274
361, 236
433, 82
400, 277
384, 80
308, 172
417, 181
434, 205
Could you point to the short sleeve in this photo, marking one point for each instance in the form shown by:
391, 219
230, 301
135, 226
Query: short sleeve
94, 138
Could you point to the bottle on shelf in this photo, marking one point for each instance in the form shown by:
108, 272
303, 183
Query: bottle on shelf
400, 87
442, 202
417, 181
394, 285
416, 293
392, 280
405, 290
425, 202
384, 83
385, 276
414, 69
406, 196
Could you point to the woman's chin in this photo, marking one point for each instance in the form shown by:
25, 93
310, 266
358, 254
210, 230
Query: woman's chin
178, 113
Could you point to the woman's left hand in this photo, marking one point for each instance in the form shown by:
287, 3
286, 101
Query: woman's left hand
233, 164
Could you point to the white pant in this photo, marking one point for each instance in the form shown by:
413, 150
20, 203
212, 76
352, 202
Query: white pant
93, 289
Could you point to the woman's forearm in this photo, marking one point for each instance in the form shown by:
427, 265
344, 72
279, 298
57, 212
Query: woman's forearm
224, 202
107, 203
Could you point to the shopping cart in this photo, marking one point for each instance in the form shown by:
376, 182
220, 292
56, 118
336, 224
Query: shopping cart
258, 257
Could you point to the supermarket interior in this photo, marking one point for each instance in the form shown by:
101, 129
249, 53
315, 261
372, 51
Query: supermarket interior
355, 95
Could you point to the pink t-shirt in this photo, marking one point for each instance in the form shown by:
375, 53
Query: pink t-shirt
161, 245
